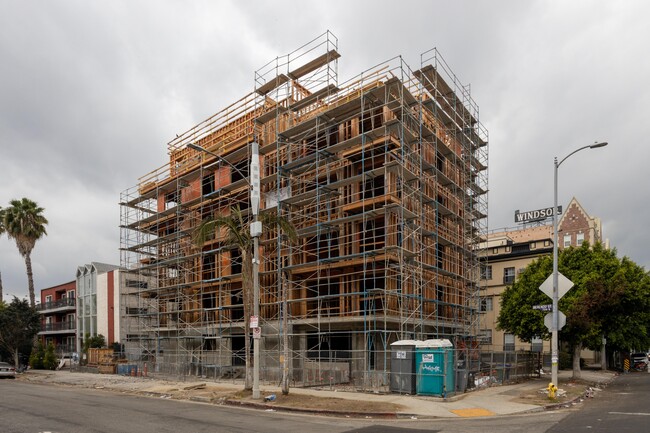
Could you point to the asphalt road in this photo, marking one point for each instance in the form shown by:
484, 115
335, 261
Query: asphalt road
33, 408
622, 407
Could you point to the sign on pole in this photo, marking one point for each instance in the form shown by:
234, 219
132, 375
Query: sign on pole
563, 285
546, 307
561, 320
255, 322
255, 178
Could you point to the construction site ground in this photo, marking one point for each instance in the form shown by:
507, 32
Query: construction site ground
493, 400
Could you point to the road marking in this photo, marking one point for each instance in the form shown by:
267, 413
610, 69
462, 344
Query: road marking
472, 412
630, 413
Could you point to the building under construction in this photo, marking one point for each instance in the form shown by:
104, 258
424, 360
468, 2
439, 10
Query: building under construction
384, 177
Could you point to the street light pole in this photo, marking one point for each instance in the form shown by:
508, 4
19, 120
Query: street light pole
255, 232
555, 322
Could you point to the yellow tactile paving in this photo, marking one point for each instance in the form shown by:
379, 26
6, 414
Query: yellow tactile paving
472, 412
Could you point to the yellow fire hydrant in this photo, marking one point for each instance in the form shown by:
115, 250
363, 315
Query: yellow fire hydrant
552, 389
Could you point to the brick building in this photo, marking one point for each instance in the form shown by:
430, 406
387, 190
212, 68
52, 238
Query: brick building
57, 308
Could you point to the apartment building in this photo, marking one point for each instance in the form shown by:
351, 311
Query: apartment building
105, 302
58, 308
507, 252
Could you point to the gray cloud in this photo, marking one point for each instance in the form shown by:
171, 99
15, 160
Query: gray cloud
91, 92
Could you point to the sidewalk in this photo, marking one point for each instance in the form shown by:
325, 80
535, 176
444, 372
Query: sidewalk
492, 401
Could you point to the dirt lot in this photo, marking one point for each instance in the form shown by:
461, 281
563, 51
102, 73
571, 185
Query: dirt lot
212, 393
571, 390
322, 403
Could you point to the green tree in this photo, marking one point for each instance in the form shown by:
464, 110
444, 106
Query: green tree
19, 324
36, 358
49, 358
234, 231
25, 224
95, 342
610, 298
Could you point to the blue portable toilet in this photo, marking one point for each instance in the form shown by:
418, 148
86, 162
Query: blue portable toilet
434, 364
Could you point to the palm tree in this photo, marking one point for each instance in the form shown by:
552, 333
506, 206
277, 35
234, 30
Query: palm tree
235, 231
2, 230
24, 223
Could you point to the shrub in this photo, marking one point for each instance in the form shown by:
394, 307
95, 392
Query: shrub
49, 359
36, 358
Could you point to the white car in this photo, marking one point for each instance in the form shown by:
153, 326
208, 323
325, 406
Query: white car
7, 370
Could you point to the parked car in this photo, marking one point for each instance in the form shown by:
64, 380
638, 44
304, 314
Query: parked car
639, 361
7, 370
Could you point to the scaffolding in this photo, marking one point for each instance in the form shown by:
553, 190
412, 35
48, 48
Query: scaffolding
384, 177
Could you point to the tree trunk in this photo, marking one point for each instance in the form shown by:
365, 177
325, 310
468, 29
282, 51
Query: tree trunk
576, 360
285, 338
30, 279
16, 360
603, 355
1, 297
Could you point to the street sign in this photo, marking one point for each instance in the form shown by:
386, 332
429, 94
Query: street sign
563, 285
561, 321
547, 307
255, 178
254, 322
257, 333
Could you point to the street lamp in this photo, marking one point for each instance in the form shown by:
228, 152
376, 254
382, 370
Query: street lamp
555, 323
256, 232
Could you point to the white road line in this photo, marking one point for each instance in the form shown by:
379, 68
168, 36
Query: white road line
630, 413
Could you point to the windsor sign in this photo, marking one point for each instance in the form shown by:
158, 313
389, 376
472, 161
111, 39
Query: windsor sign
535, 215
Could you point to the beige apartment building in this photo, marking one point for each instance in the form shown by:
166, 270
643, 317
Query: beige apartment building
506, 254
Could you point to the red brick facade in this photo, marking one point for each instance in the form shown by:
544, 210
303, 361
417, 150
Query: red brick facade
576, 227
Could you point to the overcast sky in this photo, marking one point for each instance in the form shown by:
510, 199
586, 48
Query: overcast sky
91, 92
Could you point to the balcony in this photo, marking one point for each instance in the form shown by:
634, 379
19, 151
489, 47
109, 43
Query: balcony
66, 327
58, 305
63, 349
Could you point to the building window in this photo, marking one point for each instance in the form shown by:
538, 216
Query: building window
486, 272
136, 284
508, 342
508, 275
485, 336
486, 304
171, 200
207, 184
580, 238
567, 241
48, 299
